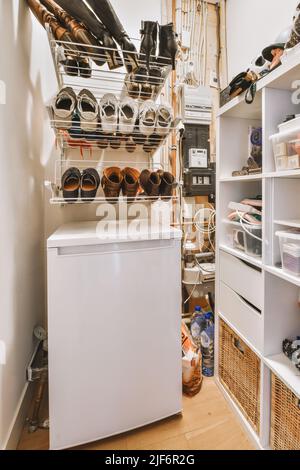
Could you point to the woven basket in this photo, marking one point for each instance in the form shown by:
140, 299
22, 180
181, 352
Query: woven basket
285, 417
239, 373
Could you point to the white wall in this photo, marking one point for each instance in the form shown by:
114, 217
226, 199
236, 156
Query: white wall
22, 142
253, 25
27, 156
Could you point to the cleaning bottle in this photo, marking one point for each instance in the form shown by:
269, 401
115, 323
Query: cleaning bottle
197, 325
207, 346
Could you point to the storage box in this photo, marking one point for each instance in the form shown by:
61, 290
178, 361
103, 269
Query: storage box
239, 373
285, 417
290, 251
248, 240
293, 162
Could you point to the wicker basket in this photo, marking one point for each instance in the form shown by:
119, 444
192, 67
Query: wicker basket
285, 417
239, 373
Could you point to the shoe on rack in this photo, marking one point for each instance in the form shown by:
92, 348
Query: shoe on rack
115, 141
152, 143
103, 142
70, 184
167, 185
105, 12
130, 184
164, 119
83, 14
168, 46
109, 107
130, 144
133, 88
128, 114
141, 77
156, 80
88, 111
90, 182
150, 183
148, 31
64, 107
71, 66
147, 117
111, 183
84, 67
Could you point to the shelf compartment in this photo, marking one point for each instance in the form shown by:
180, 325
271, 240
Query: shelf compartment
285, 370
102, 79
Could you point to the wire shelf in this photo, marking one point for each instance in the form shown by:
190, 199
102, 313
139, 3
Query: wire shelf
75, 137
62, 165
141, 85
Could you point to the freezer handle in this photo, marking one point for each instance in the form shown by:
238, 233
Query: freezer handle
115, 248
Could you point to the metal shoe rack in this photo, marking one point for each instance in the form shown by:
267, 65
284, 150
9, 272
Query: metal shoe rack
88, 146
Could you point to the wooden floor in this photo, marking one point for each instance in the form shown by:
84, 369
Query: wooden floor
207, 423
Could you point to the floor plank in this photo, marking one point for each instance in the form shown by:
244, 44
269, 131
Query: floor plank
207, 423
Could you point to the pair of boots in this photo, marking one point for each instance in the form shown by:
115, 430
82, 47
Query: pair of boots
168, 46
115, 180
148, 79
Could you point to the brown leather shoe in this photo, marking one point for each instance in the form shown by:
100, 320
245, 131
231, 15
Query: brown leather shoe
130, 184
150, 182
168, 183
111, 182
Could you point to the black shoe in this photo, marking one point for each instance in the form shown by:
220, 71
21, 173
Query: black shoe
105, 12
70, 66
90, 182
84, 67
149, 41
84, 15
70, 184
168, 46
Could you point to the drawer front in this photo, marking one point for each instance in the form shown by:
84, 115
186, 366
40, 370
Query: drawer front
244, 279
244, 317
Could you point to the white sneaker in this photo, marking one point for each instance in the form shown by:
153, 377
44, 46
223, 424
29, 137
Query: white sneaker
88, 111
109, 107
63, 108
147, 117
164, 119
128, 113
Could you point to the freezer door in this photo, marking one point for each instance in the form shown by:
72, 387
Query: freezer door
114, 338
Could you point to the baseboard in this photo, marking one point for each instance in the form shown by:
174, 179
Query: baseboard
19, 419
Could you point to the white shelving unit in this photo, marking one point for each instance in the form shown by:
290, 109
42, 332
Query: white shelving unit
263, 308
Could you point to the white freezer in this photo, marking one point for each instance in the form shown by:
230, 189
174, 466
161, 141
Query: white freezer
114, 312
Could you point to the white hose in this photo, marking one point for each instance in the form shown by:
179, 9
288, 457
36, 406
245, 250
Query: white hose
244, 222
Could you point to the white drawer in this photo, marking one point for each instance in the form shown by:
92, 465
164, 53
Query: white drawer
242, 316
244, 279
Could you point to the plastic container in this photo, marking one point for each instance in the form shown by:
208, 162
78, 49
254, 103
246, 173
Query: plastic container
248, 240
208, 346
286, 149
197, 325
290, 251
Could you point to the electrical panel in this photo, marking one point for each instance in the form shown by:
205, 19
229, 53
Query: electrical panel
199, 172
